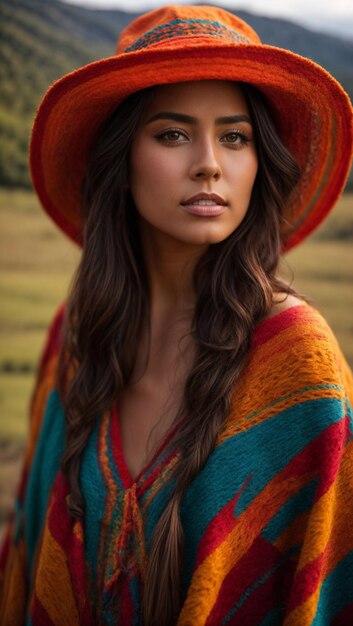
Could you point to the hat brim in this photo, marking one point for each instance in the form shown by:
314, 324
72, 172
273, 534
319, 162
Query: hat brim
312, 112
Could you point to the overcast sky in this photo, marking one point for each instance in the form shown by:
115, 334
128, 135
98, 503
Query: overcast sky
328, 15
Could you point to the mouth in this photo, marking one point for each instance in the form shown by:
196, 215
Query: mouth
204, 205
204, 199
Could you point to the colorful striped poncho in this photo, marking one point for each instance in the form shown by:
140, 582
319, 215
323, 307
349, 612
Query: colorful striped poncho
268, 522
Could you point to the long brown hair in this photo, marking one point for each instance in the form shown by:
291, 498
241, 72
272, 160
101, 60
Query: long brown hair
234, 284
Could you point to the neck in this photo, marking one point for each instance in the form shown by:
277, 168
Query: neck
170, 265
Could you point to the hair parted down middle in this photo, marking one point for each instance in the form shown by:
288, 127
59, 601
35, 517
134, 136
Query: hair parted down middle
108, 307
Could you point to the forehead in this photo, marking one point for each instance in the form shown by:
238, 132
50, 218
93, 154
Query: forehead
217, 96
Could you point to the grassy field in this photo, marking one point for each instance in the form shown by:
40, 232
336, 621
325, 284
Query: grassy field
37, 263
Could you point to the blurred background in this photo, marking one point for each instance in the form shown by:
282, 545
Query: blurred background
40, 41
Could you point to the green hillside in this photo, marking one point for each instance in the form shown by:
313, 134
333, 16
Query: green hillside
43, 39
37, 47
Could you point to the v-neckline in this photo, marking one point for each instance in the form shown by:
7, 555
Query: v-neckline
157, 459
153, 467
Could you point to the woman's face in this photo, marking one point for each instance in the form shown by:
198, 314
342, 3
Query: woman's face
193, 162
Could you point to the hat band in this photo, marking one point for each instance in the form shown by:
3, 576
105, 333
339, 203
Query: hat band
187, 28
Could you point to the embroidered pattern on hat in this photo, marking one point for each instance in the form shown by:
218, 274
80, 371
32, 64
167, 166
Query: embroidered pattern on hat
187, 28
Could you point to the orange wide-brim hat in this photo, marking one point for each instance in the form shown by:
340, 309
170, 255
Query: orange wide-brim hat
173, 44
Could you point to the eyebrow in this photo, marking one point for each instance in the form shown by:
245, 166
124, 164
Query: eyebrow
188, 119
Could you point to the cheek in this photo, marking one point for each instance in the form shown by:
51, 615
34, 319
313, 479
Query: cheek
253, 166
250, 179
152, 170
242, 174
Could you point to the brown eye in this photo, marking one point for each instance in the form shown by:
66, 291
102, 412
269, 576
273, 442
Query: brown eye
235, 138
172, 136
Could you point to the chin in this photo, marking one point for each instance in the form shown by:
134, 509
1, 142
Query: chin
211, 237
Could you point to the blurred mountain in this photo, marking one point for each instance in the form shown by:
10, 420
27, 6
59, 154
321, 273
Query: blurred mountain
43, 39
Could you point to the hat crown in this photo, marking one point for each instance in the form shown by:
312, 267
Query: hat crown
172, 25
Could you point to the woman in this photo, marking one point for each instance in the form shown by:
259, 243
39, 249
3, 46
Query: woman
190, 438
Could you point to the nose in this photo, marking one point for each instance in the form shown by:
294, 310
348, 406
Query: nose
205, 164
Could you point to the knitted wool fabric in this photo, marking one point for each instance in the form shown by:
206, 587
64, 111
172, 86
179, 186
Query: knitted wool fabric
267, 522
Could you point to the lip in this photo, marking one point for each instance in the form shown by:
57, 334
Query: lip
205, 196
210, 210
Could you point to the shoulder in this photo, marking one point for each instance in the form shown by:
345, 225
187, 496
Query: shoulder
298, 328
295, 362
283, 302
298, 335
295, 373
